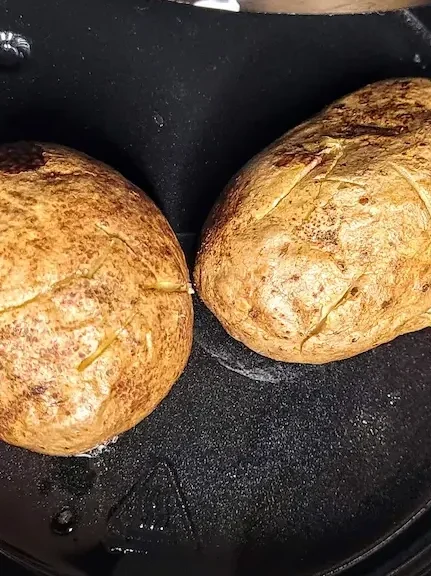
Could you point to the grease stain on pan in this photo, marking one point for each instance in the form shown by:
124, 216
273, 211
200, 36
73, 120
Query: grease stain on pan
97, 451
233, 355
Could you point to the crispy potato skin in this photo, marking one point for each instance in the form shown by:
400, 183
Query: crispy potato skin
320, 248
95, 312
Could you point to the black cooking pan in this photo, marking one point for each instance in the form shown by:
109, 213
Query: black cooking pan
249, 466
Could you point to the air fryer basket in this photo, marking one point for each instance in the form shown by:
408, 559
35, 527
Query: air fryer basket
249, 466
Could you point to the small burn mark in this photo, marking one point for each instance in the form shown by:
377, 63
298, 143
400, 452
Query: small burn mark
356, 130
386, 304
293, 155
405, 83
425, 287
354, 290
254, 314
364, 200
38, 390
21, 157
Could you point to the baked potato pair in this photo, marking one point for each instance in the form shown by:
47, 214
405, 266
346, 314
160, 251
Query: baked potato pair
318, 250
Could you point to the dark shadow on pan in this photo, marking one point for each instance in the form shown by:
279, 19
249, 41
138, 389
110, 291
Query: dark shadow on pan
51, 123
407, 550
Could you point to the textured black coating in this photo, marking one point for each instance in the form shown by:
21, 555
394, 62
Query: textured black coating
249, 466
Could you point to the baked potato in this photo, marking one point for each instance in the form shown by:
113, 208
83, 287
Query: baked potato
320, 248
95, 306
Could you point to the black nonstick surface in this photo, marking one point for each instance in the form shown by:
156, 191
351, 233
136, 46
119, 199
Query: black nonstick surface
249, 466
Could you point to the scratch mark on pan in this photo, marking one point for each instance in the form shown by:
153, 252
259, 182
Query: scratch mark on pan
420, 191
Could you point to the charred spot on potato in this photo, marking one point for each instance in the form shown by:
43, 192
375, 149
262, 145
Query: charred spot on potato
38, 390
425, 287
21, 157
292, 155
386, 304
364, 200
351, 131
254, 313
354, 290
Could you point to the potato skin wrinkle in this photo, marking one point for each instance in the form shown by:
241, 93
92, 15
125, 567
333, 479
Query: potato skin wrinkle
320, 247
96, 315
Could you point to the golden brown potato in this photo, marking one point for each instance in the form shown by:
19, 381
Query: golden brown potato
95, 307
320, 248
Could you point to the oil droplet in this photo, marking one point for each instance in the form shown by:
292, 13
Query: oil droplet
64, 522
158, 119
